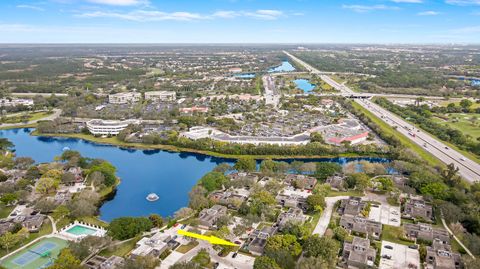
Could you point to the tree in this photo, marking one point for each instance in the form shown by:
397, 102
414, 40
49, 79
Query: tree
23, 163
141, 262
223, 168
317, 137
81, 208
68, 178
436, 189
66, 260
5, 144
213, 181
246, 164
46, 184
449, 175
186, 265
316, 202
286, 242
8, 240
60, 212
359, 181
156, 220
197, 197
128, 227
8, 198
264, 262
465, 103
202, 258
312, 263
323, 247
326, 169
108, 171
45, 205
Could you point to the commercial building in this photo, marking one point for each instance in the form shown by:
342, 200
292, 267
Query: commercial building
158, 96
108, 127
7, 102
124, 97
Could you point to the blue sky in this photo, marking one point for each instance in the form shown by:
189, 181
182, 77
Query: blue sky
240, 21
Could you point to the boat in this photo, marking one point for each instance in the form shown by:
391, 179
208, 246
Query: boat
152, 197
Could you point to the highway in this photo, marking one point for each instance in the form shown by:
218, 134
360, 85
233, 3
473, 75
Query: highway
468, 169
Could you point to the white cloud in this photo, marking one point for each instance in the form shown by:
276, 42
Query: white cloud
463, 2
408, 1
363, 8
144, 15
154, 15
119, 2
429, 13
31, 7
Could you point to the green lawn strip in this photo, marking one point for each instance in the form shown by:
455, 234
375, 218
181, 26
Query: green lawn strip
5, 211
394, 234
354, 193
186, 248
122, 249
387, 129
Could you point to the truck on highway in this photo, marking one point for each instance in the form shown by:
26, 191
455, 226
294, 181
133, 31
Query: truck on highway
412, 134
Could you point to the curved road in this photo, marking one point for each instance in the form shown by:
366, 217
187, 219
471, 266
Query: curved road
468, 169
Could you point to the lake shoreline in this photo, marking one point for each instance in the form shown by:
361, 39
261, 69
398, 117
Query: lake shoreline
112, 141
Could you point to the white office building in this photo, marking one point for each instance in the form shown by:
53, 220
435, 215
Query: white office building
6, 102
157, 96
124, 97
108, 127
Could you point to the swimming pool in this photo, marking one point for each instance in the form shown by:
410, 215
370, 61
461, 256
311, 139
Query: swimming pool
81, 230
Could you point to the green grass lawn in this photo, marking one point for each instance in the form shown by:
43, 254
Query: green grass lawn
5, 211
122, 249
394, 234
19, 118
462, 123
186, 248
387, 129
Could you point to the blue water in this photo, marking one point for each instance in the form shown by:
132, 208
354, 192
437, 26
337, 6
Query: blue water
171, 175
475, 82
286, 66
245, 75
304, 85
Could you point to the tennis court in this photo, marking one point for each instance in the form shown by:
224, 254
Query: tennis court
39, 255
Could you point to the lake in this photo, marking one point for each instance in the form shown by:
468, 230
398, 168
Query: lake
245, 75
286, 66
304, 85
171, 175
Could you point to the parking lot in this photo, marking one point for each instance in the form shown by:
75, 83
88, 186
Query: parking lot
396, 256
385, 214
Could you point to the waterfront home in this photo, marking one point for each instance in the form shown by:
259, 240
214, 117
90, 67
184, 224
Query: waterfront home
158, 96
293, 215
244, 175
426, 232
108, 127
301, 181
77, 173
352, 206
358, 253
124, 97
418, 208
208, 217
258, 239
441, 256
361, 225
336, 182
153, 246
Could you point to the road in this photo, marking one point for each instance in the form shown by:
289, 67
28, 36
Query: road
468, 169
324, 220
56, 113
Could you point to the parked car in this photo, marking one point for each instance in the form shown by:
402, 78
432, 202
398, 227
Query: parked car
413, 246
234, 255
388, 257
388, 247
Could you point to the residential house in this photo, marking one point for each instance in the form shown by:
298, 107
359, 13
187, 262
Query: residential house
293, 215
359, 254
351, 206
361, 225
33, 223
336, 182
208, 217
231, 198
301, 181
100, 262
440, 256
292, 201
153, 246
258, 239
417, 208
426, 232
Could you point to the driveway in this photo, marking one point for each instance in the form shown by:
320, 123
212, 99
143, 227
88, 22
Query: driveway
324, 220
401, 256
383, 213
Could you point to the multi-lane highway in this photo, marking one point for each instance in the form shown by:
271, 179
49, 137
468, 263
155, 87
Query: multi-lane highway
468, 169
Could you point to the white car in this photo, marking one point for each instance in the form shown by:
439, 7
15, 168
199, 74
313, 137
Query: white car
463, 159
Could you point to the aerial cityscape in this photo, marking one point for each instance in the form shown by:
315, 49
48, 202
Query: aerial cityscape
239, 134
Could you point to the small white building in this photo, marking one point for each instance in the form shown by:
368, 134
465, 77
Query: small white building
7, 102
108, 127
157, 96
124, 97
